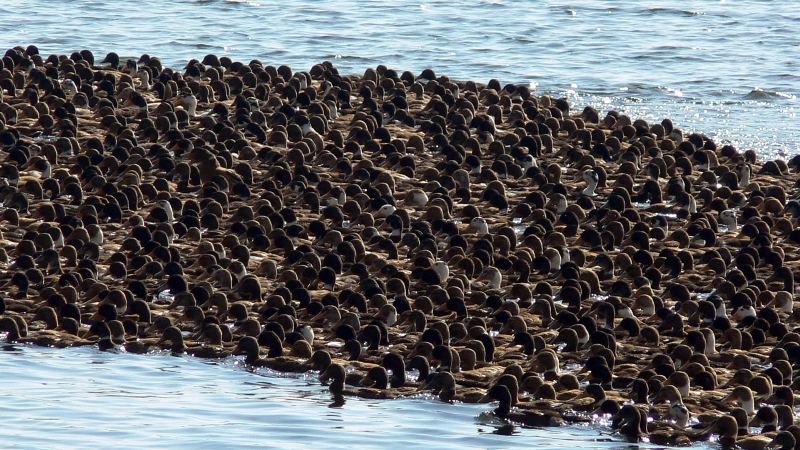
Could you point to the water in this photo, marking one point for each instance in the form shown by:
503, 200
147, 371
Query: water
726, 68
82, 398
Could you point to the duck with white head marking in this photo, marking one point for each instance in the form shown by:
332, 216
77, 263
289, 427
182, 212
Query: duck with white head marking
783, 302
743, 172
474, 164
144, 79
38, 167
711, 341
95, 233
557, 202
744, 312
305, 125
480, 226
528, 161
334, 110
793, 208
386, 211
307, 332
686, 202
388, 315
565, 255
395, 224
691, 206
69, 87
237, 269
728, 218
493, 277
442, 270
167, 207
680, 414
326, 87
188, 101
591, 178
336, 197
302, 82
416, 198
132, 67
554, 257
744, 396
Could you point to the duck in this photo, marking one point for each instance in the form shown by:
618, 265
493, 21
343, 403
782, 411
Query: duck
335, 375
592, 179
378, 378
178, 345
249, 346
742, 395
727, 429
501, 394
443, 384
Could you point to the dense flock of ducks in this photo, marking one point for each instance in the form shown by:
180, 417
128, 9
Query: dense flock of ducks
403, 234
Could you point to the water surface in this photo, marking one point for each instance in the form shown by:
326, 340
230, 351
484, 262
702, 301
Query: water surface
83, 398
726, 68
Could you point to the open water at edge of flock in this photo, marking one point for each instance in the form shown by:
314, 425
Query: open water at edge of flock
83, 398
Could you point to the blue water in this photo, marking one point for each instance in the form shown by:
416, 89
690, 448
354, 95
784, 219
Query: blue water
727, 68
82, 398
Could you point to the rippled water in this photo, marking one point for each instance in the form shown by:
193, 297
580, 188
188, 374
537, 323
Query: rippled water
727, 68
82, 398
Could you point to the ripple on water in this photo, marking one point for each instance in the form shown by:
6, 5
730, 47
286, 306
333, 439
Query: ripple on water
159, 401
595, 46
